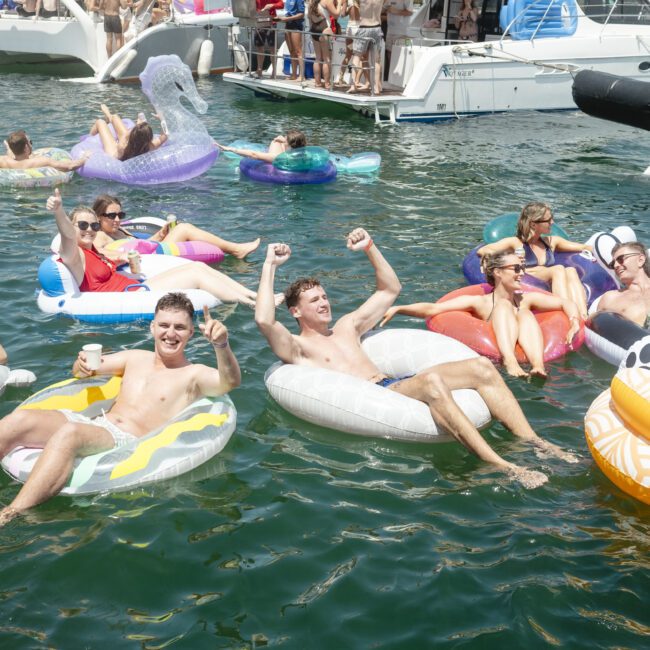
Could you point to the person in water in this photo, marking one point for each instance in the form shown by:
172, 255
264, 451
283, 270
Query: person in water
632, 267
339, 348
293, 139
509, 311
534, 237
156, 386
93, 272
110, 214
20, 155
126, 143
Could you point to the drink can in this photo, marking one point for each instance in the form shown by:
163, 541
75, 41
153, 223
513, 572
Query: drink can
134, 262
172, 220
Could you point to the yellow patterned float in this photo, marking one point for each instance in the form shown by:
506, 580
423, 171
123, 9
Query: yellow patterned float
38, 176
194, 436
617, 425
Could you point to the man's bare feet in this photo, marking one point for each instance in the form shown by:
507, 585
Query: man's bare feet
545, 449
514, 369
241, 250
529, 478
351, 90
7, 514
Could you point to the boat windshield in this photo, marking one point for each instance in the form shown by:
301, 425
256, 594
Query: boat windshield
619, 12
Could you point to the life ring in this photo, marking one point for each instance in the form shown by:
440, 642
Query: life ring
505, 225
190, 439
479, 335
359, 163
188, 152
20, 378
60, 293
609, 336
264, 172
617, 425
38, 176
345, 403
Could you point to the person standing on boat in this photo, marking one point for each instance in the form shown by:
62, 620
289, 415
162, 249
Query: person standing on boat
320, 13
27, 9
349, 8
467, 22
265, 34
20, 155
398, 14
632, 267
369, 39
112, 24
339, 348
294, 23
156, 386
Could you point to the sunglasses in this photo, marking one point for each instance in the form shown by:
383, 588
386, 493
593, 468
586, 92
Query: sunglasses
517, 268
544, 220
84, 225
113, 215
619, 259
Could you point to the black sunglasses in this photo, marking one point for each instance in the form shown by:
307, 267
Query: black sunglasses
84, 225
544, 220
517, 268
619, 259
113, 215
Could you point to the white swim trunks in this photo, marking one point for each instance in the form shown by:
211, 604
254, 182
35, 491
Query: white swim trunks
120, 437
353, 28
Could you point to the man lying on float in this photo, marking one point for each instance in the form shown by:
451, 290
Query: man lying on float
156, 386
339, 348
20, 155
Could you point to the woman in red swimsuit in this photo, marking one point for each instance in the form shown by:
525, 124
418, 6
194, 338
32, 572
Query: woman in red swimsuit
93, 272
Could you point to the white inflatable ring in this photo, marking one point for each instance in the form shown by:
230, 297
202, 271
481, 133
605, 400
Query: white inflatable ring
190, 439
339, 401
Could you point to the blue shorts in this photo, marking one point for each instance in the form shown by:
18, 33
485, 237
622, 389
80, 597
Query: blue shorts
387, 381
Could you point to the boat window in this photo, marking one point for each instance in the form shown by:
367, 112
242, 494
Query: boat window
620, 12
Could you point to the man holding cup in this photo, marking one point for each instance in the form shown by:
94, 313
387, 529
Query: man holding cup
156, 386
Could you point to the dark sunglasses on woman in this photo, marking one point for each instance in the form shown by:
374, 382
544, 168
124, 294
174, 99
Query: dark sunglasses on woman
113, 215
84, 225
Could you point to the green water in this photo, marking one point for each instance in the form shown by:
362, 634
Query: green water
300, 537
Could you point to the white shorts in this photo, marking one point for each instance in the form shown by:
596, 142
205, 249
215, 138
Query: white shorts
126, 13
353, 28
120, 438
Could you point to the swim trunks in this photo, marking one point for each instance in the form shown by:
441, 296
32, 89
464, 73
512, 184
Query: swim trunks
264, 37
387, 381
353, 28
112, 25
367, 36
296, 25
120, 437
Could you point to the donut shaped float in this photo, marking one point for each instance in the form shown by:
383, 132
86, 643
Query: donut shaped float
190, 250
479, 334
617, 425
143, 227
609, 336
188, 152
60, 293
345, 403
506, 226
38, 176
264, 172
186, 441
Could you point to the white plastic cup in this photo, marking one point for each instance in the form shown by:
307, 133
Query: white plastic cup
93, 353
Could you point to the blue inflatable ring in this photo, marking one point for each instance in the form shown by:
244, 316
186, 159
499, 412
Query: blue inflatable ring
264, 172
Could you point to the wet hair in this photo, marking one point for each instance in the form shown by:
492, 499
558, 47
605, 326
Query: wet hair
103, 201
492, 262
293, 291
296, 139
531, 213
80, 209
17, 142
175, 301
139, 141
635, 247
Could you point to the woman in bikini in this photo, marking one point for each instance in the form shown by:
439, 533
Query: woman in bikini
507, 309
534, 237
319, 13
126, 143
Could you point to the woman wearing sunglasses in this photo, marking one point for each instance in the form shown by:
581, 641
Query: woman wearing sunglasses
110, 214
94, 272
534, 237
508, 310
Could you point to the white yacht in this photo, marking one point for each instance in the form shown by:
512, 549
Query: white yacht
77, 38
525, 57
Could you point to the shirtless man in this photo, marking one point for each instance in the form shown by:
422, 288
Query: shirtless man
339, 348
294, 139
632, 267
370, 30
155, 387
20, 155
112, 24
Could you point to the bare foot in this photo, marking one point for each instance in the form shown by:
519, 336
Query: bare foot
241, 250
351, 90
514, 369
293, 77
544, 449
7, 514
107, 114
539, 372
529, 478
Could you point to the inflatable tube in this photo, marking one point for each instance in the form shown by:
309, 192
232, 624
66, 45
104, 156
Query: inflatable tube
143, 227
609, 336
339, 401
479, 335
539, 18
188, 152
506, 226
190, 250
20, 378
594, 278
267, 173
360, 163
613, 98
60, 294
190, 439
604, 242
38, 176
303, 159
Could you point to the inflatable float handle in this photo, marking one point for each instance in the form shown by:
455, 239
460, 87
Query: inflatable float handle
139, 285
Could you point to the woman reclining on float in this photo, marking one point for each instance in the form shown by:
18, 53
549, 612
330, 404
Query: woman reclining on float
110, 214
126, 143
508, 310
533, 235
93, 272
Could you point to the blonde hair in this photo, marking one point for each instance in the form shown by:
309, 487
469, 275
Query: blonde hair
531, 213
